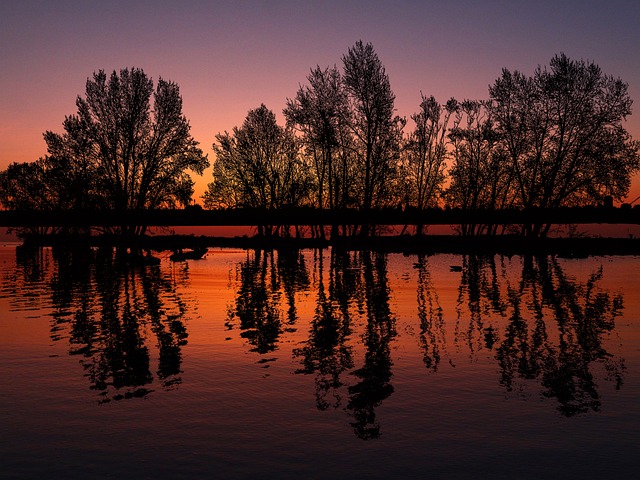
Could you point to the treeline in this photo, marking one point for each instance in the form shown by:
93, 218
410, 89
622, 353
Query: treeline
552, 139
128, 147
549, 140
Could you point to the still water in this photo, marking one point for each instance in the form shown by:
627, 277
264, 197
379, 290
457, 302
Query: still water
318, 364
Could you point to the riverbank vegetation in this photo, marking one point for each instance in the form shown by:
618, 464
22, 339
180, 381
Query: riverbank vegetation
544, 141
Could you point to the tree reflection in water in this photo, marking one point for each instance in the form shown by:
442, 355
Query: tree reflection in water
375, 375
262, 278
481, 294
546, 331
584, 314
430, 314
326, 353
103, 305
360, 280
561, 359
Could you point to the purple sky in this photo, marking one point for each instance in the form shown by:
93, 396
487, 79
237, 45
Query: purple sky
229, 57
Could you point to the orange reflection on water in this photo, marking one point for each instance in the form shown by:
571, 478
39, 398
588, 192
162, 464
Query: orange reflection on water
245, 358
356, 325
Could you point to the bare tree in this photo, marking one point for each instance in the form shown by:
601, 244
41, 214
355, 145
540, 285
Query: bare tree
425, 153
258, 166
480, 177
130, 142
563, 131
376, 131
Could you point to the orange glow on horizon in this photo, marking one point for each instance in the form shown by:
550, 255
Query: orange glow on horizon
261, 54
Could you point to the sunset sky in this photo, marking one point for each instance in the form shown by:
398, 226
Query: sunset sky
231, 56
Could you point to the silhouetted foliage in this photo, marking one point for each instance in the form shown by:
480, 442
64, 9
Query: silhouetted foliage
258, 166
103, 306
563, 134
351, 144
127, 147
25, 186
554, 139
425, 153
319, 112
376, 130
480, 176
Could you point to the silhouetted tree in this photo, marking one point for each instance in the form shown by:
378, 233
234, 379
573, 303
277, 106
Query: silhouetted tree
425, 152
46, 184
480, 177
120, 151
72, 169
376, 130
562, 131
128, 143
24, 186
258, 166
319, 111
424, 155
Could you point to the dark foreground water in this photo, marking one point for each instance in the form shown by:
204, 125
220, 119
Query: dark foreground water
318, 364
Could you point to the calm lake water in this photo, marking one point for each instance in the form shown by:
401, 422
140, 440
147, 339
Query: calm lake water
318, 364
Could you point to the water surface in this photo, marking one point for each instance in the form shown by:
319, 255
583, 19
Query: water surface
318, 364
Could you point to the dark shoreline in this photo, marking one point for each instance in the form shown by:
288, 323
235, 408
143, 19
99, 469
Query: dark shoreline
407, 244
303, 216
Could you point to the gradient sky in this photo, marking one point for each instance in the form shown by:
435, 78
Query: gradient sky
231, 56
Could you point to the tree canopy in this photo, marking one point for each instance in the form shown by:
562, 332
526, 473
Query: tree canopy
553, 139
562, 129
128, 147
376, 130
257, 165
319, 112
